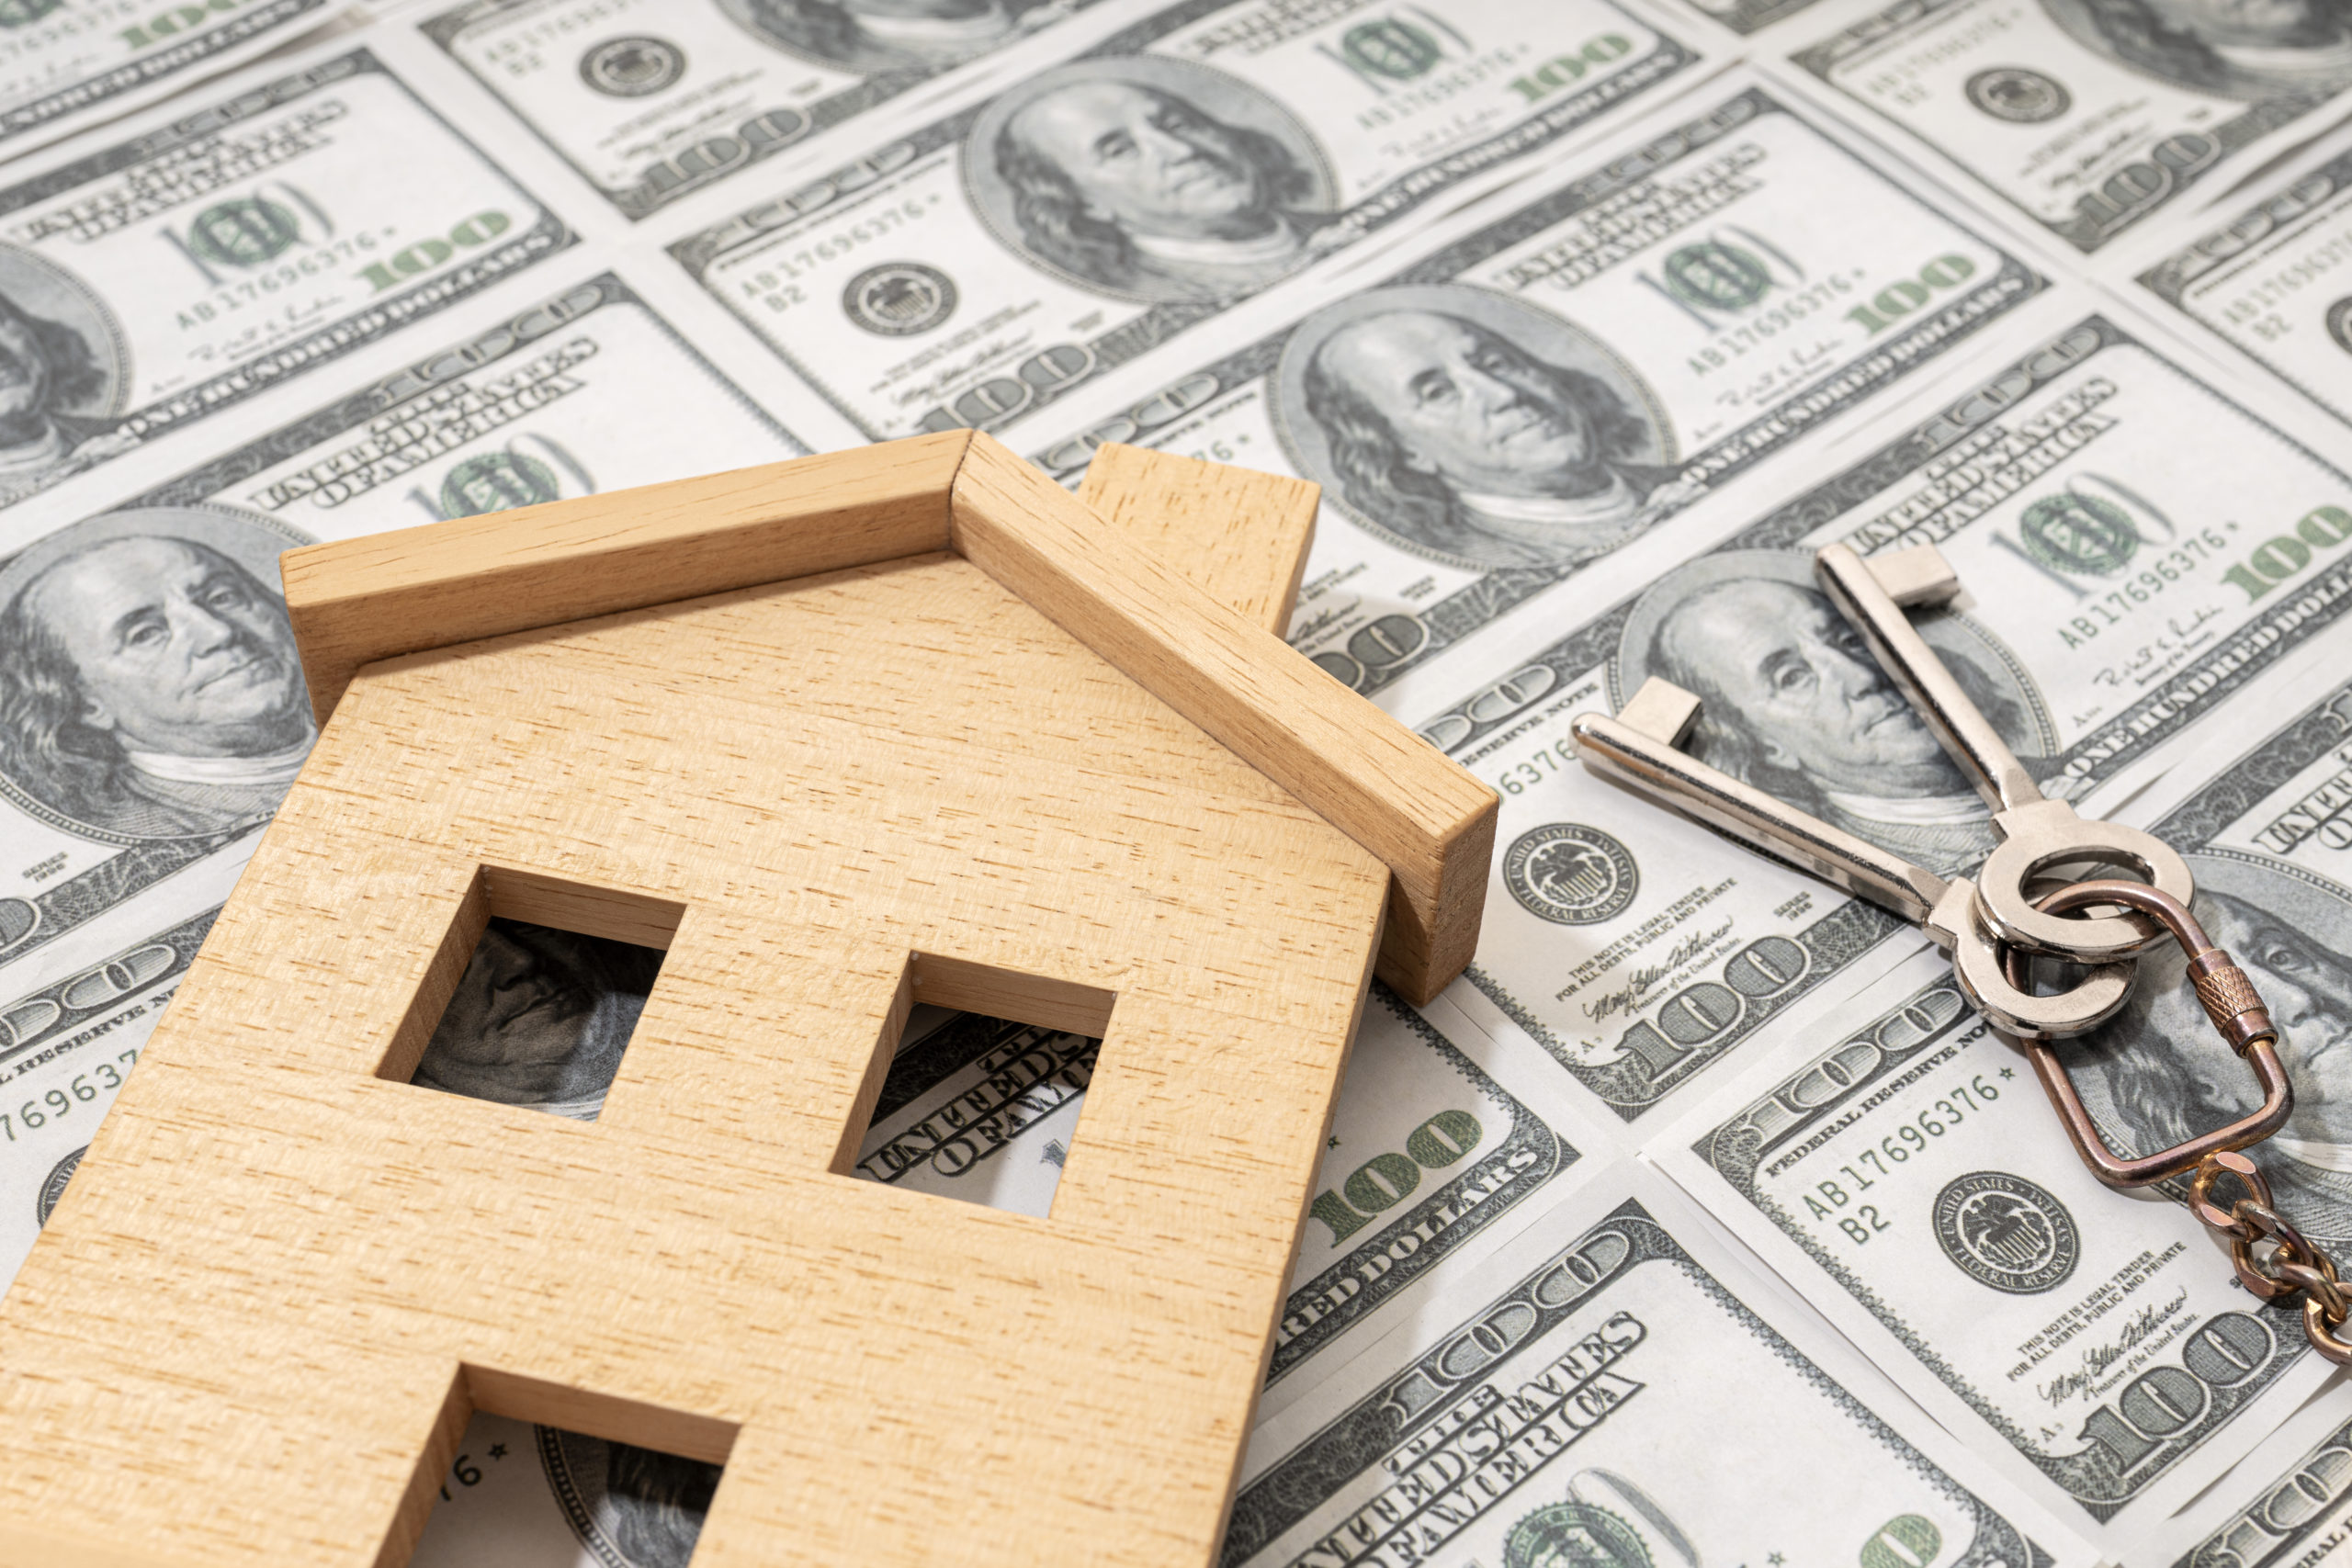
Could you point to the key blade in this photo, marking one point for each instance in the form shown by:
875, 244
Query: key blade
1615, 751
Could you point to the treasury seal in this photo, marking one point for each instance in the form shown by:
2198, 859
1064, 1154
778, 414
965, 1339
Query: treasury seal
2018, 95
52, 1186
1571, 875
632, 67
1574, 1535
900, 299
493, 481
2080, 534
2005, 1232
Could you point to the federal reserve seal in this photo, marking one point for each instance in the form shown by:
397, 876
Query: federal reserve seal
1571, 875
2018, 95
2081, 534
2339, 323
52, 1186
900, 299
2005, 1232
632, 67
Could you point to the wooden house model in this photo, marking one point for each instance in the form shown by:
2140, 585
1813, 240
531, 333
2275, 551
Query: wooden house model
843, 735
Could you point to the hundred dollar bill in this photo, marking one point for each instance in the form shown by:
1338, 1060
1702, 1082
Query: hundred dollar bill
151, 283
987, 263
2274, 280
1901, 1169
1426, 1153
2090, 115
1610, 1390
151, 708
2290, 1502
70, 62
2120, 594
1542, 391
651, 99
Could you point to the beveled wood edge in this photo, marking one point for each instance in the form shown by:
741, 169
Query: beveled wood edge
1406, 803
356, 602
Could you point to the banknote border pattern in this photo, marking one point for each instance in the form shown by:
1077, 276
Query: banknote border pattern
135, 74
1293, 1486
82, 996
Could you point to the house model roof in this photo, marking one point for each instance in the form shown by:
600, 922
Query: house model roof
906, 725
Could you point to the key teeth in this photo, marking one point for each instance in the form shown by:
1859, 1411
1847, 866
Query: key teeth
1919, 575
1661, 710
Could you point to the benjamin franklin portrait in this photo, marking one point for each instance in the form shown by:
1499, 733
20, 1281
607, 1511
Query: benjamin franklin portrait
2242, 49
640, 1506
1151, 178
148, 682
2156, 1073
875, 36
1474, 429
60, 373
1792, 703
539, 1019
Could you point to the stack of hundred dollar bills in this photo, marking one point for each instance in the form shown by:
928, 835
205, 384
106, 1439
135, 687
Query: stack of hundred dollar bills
1701, 1222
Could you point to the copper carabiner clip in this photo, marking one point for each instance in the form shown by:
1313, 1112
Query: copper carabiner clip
2231, 1001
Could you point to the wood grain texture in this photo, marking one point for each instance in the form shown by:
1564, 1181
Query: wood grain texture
1241, 537
357, 601
1430, 821
279, 1278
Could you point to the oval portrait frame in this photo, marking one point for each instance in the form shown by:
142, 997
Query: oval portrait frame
566, 1458
38, 287
249, 538
874, 59
2074, 18
1629, 666
1218, 94
1551, 339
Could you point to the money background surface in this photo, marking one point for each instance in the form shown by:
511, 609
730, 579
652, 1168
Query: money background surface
1715, 286
980, 266
440, 402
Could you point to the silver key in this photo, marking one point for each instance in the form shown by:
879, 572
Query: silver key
1639, 748
2036, 832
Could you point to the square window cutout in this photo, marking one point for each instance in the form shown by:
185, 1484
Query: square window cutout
982, 1107
530, 1496
539, 1018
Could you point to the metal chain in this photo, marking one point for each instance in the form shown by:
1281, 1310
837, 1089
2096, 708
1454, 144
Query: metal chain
2273, 1259
2272, 1256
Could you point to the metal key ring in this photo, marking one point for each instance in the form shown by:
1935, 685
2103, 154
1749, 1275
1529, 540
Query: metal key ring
2044, 833
2230, 1002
